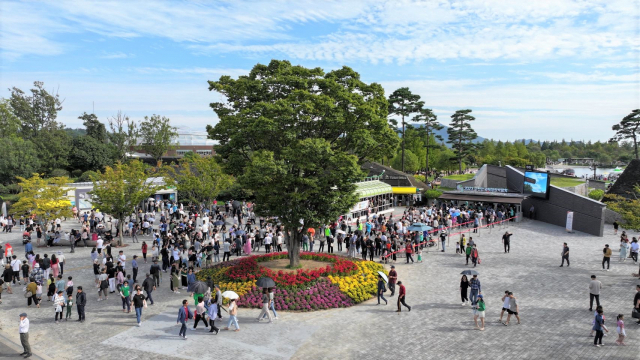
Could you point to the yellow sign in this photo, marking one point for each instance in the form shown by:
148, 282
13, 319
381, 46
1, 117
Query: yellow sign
405, 190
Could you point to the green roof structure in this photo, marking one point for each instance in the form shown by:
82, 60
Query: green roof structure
372, 188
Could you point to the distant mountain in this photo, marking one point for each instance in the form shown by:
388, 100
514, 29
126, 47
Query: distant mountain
443, 133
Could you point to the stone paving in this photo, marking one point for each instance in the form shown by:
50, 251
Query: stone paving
553, 303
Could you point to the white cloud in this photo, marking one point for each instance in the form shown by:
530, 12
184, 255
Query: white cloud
117, 55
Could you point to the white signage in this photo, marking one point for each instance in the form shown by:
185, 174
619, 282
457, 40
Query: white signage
362, 205
570, 221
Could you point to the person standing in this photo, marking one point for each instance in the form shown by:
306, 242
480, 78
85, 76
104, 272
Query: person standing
506, 241
633, 249
565, 254
408, 250
134, 264
24, 335
476, 290
155, 272
58, 303
184, 314
480, 313
607, 257
636, 301
468, 252
381, 290
464, 287
513, 309
594, 292
139, 302
81, 302
443, 239
393, 277
402, 294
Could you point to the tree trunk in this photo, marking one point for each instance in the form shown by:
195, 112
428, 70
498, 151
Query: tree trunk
293, 247
403, 143
120, 223
427, 163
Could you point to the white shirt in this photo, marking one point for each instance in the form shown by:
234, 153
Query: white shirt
99, 243
15, 265
506, 302
24, 326
121, 259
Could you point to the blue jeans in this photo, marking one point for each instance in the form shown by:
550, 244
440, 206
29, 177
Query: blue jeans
381, 296
183, 329
474, 296
234, 320
443, 243
138, 314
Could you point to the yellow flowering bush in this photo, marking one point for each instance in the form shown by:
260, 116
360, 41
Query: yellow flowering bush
363, 285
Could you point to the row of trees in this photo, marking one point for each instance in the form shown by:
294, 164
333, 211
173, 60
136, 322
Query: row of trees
35, 142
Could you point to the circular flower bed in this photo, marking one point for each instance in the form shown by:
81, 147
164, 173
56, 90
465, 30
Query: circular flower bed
342, 283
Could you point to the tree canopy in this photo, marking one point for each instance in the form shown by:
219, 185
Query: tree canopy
629, 128
157, 135
403, 102
461, 135
45, 198
296, 138
199, 179
118, 190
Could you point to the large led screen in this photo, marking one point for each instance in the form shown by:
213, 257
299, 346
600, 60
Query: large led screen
536, 184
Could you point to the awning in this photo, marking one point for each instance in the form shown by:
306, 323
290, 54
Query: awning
514, 199
372, 188
405, 190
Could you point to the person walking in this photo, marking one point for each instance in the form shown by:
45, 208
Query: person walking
381, 289
155, 273
623, 250
636, 301
464, 287
272, 306
139, 303
125, 295
233, 312
598, 327
393, 277
184, 314
620, 328
565, 254
505, 304
607, 257
409, 250
476, 290
468, 252
480, 313
23, 329
506, 241
475, 258
265, 305
213, 314
443, 239
594, 292
633, 249
402, 294
149, 286
513, 309
81, 302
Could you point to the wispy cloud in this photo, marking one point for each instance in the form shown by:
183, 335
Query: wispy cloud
117, 55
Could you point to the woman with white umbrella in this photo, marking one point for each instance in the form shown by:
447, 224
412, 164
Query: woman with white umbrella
233, 309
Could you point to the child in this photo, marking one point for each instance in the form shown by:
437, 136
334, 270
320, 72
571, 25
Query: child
593, 320
419, 252
69, 286
457, 247
621, 333
39, 291
69, 307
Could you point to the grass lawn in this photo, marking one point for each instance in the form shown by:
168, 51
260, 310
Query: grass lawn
562, 182
444, 188
460, 177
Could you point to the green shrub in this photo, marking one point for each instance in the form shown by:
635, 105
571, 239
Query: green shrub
420, 178
59, 173
86, 176
596, 194
76, 173
432, 194
13, 189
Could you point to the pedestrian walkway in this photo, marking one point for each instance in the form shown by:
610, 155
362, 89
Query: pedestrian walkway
553, 307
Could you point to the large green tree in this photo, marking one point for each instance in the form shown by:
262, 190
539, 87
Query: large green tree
94, 127
91, 151
411, 161
45, 198
296, 138
118, 190
199, 179
403, 103
157, 135
461, 135
628, 128
19, 158
9, 122
430, 123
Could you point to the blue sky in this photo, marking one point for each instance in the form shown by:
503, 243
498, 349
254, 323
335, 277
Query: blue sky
529, 69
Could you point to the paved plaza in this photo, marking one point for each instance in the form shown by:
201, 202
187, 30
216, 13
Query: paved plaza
553, 301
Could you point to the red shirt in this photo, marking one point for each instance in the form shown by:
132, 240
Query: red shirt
409, 249
392, 276
403, 291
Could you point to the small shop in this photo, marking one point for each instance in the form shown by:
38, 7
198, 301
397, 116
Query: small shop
375, 197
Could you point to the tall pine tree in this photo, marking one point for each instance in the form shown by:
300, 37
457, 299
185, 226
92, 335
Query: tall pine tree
404, 103
430, 123
461, 135
628, 128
